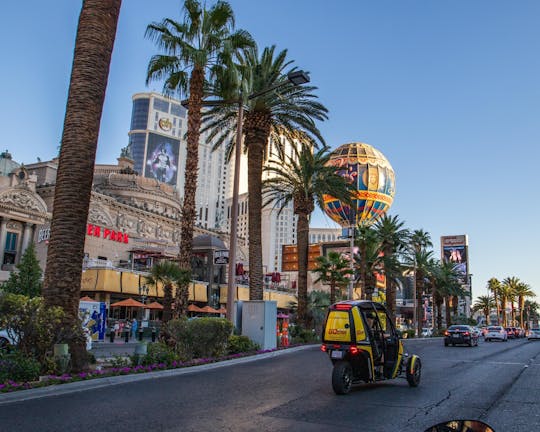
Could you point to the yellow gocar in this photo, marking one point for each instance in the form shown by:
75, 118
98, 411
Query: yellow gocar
363, 345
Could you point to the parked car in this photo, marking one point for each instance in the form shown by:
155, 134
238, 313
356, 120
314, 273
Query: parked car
6, 341
460, 334
534, 333
496, 332
427, 332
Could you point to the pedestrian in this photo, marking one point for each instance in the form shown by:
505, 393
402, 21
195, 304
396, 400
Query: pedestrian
134, 327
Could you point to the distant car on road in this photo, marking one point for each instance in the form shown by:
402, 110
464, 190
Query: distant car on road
496, 332
460, 334
477, 331
519, 332
510, 333
534, 334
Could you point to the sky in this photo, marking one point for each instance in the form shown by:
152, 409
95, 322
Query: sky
449, 91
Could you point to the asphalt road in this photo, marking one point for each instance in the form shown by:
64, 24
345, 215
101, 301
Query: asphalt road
496, 382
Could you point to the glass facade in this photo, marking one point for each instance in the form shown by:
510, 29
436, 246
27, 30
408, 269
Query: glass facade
136, 143
139, 114
161, 105
178, 110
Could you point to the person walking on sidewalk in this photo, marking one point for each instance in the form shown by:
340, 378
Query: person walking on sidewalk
134, 327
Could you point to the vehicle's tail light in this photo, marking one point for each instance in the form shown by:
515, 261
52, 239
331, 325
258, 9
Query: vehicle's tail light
354, 350
341, 306
446, 333
466, 333
323, 348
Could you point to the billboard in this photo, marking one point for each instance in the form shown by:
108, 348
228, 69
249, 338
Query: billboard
162, 158
455, 249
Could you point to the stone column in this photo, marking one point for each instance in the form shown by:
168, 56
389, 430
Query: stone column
3, 234
27, 236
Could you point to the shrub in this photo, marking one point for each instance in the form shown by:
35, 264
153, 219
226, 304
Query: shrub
159, 352
410, 333
241, 344
18, 367
209, 336
298, 334
118, 361
33, 325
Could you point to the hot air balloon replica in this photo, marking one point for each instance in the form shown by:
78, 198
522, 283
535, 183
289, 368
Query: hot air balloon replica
373, 183
373, 180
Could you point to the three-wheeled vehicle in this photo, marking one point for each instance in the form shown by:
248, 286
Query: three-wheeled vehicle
363, 345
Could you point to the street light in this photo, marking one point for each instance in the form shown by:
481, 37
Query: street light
294, 77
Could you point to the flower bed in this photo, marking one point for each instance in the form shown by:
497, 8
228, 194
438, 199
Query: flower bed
10, 385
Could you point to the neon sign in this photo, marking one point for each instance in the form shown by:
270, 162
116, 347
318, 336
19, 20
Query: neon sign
106, 233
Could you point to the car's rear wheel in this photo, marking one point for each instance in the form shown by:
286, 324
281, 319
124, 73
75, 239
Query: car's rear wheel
414, 373
445, 343
342, 377
4, 345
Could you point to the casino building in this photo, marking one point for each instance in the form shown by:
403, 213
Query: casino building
133, 222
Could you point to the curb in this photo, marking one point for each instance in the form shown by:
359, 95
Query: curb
95, 383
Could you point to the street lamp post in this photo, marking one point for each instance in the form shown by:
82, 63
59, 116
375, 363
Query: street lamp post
296, 78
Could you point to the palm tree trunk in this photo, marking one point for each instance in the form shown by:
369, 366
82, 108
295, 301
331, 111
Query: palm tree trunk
167, 302
190, 185
498, 307
503, 307
439, 314
419, 308
332, 292
93, 48
303, 250
521, 307
447, 309
257, 132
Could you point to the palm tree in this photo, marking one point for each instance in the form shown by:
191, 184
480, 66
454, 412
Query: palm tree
494, 286
505, 292
333, 270
369, 259
420, 240
282, 111
89, 75
511, 284
393, 238
532, 310
484, 304
165, 273
192, 48
422, 263
302, 177
446, 287
521, 291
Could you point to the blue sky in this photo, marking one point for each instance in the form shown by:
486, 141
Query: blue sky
448, 90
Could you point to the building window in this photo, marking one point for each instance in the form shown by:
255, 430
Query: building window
161, 105
10, 249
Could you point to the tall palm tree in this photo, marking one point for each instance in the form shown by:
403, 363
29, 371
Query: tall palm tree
484, 304
494, 286
422, 262
165, 273
192, 48
369, 259
333, 270
511, 283
282, 111
420, 240
393, 238
89, 75
302, 177
444, 280
505, 292
521, 291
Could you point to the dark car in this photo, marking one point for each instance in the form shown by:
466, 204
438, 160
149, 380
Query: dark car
510, 332
460, 334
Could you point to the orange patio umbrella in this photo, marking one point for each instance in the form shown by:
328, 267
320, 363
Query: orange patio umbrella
128, 303
194, 308
86, 298
222, 310
154, 305
209, 309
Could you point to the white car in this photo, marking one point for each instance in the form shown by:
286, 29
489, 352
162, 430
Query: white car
495, 332
5, 340
427, 332
534, 333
